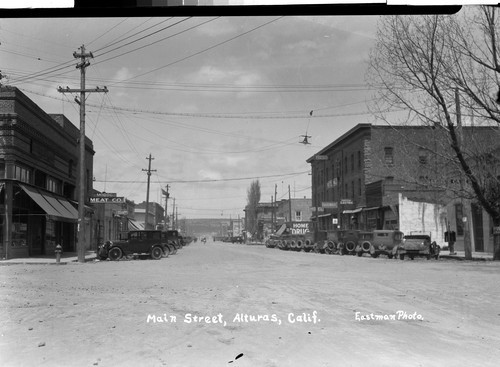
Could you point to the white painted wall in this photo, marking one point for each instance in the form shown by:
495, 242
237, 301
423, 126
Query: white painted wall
422, 217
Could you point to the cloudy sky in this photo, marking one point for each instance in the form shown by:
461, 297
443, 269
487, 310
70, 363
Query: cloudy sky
217, 101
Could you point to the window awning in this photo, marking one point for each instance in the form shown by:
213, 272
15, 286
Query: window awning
56, 207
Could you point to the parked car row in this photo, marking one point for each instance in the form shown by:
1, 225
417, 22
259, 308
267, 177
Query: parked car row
391, 243
152, 243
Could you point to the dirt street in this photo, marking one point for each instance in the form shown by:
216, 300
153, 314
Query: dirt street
225, 304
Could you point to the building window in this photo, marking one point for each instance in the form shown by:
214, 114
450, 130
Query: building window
359, 159
389, 155
345, 165
352, 162
359, 184
53, 185
70, 168
422, 156
352, 189
22, 174
298, 216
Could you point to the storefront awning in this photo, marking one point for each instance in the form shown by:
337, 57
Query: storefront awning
352, 211
56, 207
321, 216
134, 225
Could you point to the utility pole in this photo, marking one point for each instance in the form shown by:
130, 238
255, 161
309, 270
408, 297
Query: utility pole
83, 56
173, 215
149, 170
290, 202
167, 195
465, 219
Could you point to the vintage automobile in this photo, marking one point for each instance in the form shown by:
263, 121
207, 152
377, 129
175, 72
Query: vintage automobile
385, 242
354, 242
237, 239
142, 242
418, 245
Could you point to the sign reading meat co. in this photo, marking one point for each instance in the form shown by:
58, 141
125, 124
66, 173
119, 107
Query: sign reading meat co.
106, 200
298, 227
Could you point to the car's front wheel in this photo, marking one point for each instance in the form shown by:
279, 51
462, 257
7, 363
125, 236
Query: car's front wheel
156, 253
115, 253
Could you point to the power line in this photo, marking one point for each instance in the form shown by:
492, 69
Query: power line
212, 180
206, 49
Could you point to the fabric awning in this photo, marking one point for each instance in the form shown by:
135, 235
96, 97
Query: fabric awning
134, 225
56, 207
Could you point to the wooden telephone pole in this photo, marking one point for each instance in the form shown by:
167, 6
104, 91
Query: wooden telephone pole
83, 56
149, 170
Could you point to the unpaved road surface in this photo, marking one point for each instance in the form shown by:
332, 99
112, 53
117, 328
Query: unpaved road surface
238, 305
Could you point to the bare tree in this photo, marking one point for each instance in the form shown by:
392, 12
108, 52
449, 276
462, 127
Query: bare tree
433, 67
253, 199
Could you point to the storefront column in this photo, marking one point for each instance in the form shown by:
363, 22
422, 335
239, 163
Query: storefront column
7, 233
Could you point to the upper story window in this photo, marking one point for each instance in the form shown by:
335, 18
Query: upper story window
352, 162
389, 155
422, 156
22, 174
53, 185
359, 159
298, 216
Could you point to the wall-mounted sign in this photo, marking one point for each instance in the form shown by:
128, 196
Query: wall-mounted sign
496, 230
346, 202
105, 194
329, 204
107, 200
320, 157
317, 208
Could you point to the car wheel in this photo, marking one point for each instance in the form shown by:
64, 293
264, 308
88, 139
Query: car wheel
412, 257
390, 256
115, 253
401, 256
374, 255
359, 253
428, 257
156, 253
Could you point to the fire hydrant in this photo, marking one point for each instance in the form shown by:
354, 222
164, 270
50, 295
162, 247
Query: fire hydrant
58, 252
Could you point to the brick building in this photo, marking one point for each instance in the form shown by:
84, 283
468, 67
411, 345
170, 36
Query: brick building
293, 210
397, 177
38, 178
156, 214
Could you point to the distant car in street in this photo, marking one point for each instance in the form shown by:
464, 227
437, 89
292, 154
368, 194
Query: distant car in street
237, 239
418, 245
143, 242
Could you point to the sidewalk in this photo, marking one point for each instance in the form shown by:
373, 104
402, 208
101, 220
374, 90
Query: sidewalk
460, 255
66, 258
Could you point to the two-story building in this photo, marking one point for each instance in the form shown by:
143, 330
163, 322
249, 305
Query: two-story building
38, 179
398, 177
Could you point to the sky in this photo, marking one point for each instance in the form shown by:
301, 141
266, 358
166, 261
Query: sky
217, 101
